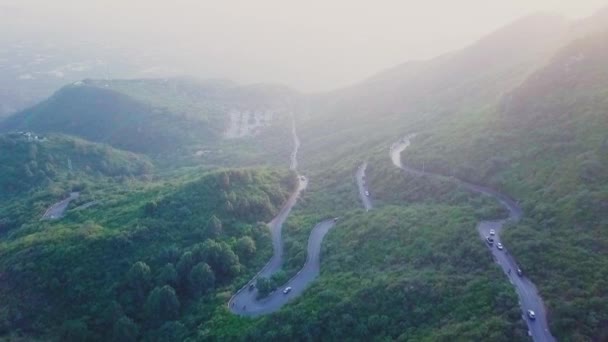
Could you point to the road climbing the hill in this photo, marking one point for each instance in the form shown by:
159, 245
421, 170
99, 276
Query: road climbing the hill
57, 210
362, 186
245, 302
526, 290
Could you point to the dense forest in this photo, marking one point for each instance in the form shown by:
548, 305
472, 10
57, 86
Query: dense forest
141, 271
29, 161
547, 147
98, 114
36, 171
396, 273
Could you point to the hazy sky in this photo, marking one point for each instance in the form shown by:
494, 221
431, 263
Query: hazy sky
308, 44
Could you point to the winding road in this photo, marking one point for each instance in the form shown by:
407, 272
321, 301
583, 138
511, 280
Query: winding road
57, 210
244, 302
361, 184
526, 290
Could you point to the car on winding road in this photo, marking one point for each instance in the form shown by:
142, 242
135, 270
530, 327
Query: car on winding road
287, 290
366, 193
531, 315
492, 232
499, 246
489, 240
520, 272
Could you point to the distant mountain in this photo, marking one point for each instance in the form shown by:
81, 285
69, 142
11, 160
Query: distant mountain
480, 72
154, 116
419, 93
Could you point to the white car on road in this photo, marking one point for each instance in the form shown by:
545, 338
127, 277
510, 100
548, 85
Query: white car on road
492, 232
366, 193
287, 290
499, 246
531, 315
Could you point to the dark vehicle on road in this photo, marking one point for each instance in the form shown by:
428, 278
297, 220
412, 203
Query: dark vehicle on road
489, 240
335, 219
251, 287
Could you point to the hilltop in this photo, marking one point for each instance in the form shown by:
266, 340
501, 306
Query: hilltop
155, 116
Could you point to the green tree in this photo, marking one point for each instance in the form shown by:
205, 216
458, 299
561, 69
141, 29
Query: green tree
167, 275
221, 258
111, 314
214, 227
125, 330
228, 207
150, 208
139, 280
184, 265
162, 304
201, 279
75, 330
172, 331
264, 286
225, 180
245, 247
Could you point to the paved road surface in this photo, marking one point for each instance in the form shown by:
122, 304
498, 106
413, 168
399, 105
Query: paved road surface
57, 210
296, 146
362, 185
526, 290
245, 301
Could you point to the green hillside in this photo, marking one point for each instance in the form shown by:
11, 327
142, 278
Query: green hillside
407, 274
153, 252
107, 116
547, 147
29, 162
37, 171
534, 130
158, 253
173, 120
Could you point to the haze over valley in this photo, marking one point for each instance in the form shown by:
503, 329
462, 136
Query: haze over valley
288, 172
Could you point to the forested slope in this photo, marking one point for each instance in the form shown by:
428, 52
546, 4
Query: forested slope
107, 116
395, 273
174, 120
151, 264
37, 171
546, 145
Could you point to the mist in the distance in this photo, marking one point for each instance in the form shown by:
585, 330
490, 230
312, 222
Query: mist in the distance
312, 45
